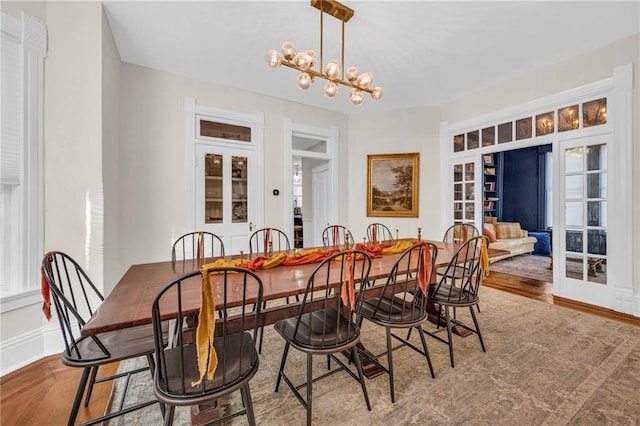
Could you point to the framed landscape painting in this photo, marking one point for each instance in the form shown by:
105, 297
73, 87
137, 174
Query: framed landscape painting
392, 185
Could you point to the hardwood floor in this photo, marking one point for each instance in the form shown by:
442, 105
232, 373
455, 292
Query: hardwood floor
43, 392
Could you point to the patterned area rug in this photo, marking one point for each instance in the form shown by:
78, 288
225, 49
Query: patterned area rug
544, 365
526, 265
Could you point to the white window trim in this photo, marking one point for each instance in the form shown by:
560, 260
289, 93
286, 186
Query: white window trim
28, 242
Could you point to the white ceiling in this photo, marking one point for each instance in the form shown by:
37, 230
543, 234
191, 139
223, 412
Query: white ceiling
420, 52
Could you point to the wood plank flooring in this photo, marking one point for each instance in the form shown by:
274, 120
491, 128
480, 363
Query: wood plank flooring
42, 392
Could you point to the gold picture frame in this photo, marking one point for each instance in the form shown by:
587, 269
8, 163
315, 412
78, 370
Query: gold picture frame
392, 185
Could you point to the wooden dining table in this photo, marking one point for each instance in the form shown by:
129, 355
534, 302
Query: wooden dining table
129, 303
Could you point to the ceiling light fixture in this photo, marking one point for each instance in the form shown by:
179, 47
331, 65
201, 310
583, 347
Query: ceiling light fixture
334, 72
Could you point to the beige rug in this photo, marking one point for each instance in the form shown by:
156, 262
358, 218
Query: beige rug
544, 365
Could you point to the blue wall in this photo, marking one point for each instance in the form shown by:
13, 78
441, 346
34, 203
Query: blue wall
523, 199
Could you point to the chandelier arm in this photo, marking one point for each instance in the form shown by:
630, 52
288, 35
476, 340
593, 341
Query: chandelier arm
343, 49
321, 35
320, 75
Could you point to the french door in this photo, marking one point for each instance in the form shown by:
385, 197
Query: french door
583, 263
225, 190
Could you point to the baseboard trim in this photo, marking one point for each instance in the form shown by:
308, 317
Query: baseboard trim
596, 310
22, 350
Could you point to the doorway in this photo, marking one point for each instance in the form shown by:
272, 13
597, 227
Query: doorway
311, 193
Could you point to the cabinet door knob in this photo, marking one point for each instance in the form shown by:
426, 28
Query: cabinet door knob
250, 226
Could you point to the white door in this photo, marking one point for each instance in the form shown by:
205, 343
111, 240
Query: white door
225, 185
321, 204
583, 261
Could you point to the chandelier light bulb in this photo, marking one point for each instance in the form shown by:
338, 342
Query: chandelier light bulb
313, 57
304, 81
377, 93
352, 73
332, 69
274, 58
330, 89
356, 96
302, 61
364, 80
289, 50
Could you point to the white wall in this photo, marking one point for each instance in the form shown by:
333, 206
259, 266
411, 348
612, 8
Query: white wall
405, 131
72, 162
152, 150
111, 66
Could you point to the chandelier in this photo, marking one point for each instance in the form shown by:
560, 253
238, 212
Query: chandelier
334, 72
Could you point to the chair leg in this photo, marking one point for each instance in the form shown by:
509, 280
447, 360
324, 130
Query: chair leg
76, 402
309, 386
426, 351
92, 381
284, 360
356, 359
475, 322
449, 334
390, 362
168, 417
261, 331
245, 392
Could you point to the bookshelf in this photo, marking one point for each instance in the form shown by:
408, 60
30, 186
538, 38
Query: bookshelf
491, 185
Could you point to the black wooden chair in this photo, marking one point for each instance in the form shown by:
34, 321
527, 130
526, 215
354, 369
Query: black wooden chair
465, 266
259, 241
197, 245
335, 236
327, 323
402, 303
459, 233
76, 299
177, 378
378, 232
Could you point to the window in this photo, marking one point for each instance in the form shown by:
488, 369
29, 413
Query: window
21, 207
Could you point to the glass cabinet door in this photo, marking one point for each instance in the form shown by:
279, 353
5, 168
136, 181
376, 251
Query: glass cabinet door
223, 194
214, 193
239, 189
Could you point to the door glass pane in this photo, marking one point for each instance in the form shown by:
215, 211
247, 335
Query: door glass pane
457, 173
457, 191
574, 267
573, 186
213, 188
597, 213
597, 270
469, 187
574, 240
473, 140
574, 211
597, 241
239, 189
469, 170
469, 211
573, 160
597, 185
597, 157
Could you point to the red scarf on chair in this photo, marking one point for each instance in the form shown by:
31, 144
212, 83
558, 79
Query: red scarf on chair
46, 291
424, 268
348, 293
267, 239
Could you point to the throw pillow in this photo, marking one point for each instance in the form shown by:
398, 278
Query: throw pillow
507, 230
490, 232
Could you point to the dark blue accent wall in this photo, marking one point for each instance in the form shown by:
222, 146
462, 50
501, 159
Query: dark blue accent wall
523, 199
